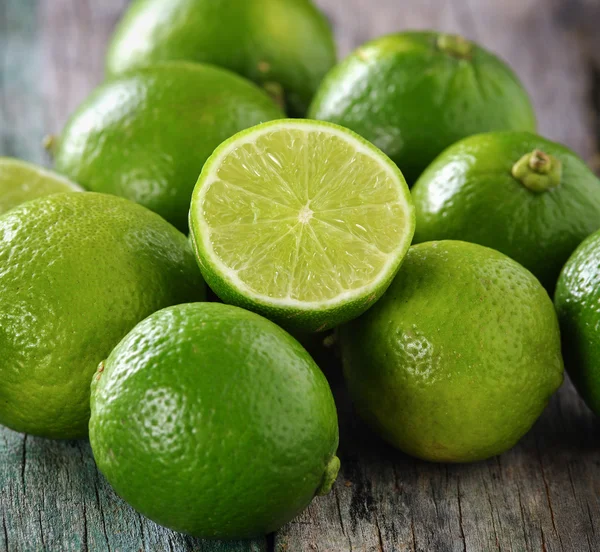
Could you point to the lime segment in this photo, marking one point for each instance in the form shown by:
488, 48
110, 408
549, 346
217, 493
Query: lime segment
300, 215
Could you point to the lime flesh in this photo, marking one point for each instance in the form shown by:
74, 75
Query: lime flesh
21, 181
302, 221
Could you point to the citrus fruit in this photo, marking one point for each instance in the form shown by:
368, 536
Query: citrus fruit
284, 45
458, 358
414, 93
79, 270
145, 136
302, 221
21, 181
577, 297
213, 421
532, 199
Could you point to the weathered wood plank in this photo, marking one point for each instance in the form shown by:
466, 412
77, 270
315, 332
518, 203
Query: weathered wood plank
543, 495
52, 498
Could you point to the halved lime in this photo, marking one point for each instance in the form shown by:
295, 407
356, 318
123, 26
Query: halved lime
302, 221
21, 181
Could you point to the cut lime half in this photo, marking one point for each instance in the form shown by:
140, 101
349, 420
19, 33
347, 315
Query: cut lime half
21, 182
302, 221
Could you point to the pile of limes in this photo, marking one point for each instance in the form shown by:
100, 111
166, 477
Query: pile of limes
209, 417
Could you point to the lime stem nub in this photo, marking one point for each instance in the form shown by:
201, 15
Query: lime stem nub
538, 171
50, 144
329, 477
455, 45
275, 90
99, 371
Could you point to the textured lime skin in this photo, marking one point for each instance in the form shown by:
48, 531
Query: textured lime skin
577, 301
79, 270
21, 181
460, 356
284, 45
468, 193
213, 421
294, 319
412, 100
146, 136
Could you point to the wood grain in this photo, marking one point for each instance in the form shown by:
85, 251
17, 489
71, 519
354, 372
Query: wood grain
541, 496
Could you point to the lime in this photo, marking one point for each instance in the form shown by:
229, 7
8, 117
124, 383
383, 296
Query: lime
532, 199
413, 94
284, 45
79, 270
576, 299
146, 135
213, 421
302, 221
21, 181
460, 356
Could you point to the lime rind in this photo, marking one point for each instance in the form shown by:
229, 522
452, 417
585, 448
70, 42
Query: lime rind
246, 218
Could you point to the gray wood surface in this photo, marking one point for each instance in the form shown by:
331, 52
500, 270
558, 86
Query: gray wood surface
541, 496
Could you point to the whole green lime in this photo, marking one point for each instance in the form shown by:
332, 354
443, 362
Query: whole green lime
146, 136
532, 199
460, 356
79, 270
21, 181
576, 299
414, 93
286, 46
213, 421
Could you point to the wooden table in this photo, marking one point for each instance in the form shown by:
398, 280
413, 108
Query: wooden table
541, 496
